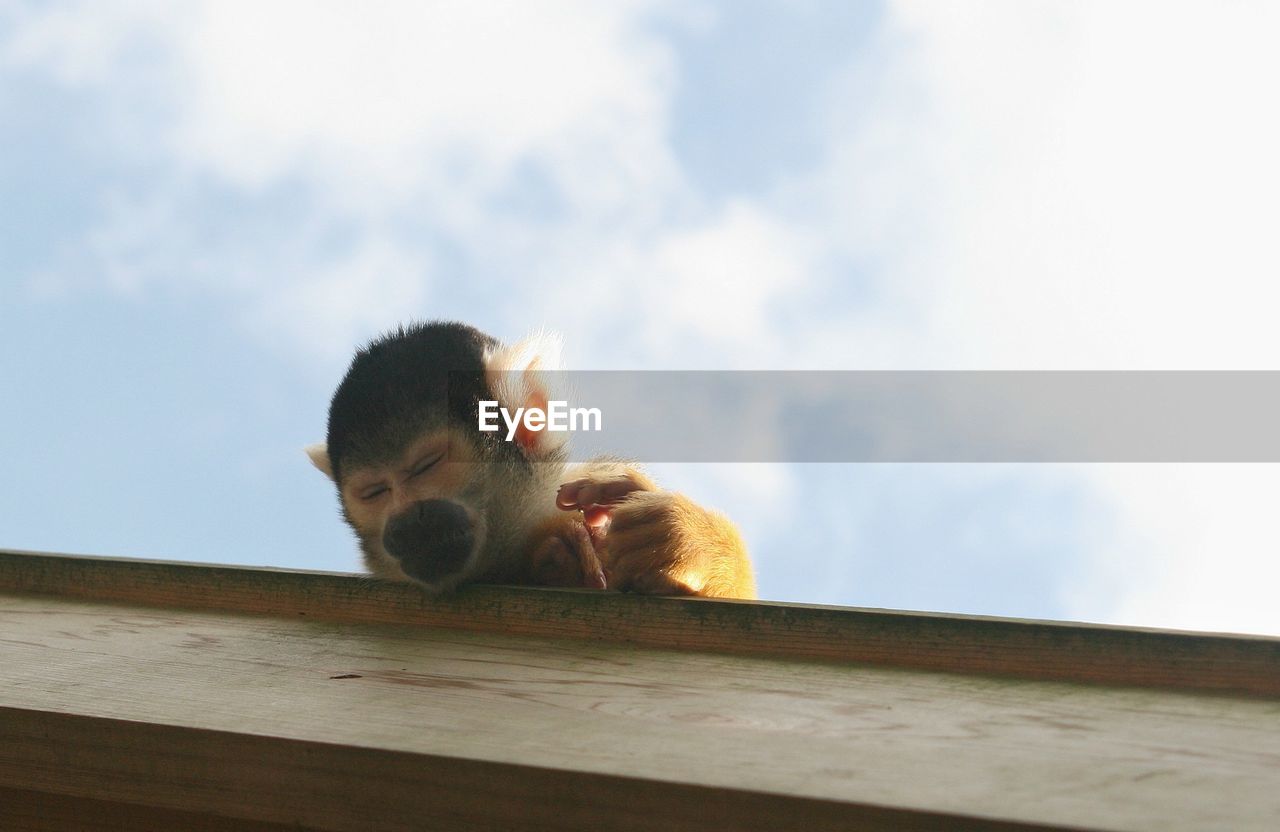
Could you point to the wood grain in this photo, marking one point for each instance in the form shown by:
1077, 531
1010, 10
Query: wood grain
950, 643
391, 726
329, 787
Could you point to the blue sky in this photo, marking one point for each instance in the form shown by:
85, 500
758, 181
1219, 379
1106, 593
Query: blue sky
205, 206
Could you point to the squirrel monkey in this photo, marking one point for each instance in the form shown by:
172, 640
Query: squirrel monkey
434, 500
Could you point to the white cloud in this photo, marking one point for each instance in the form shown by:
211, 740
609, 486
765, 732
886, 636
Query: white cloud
446, 94
1096, 181
385, 119
79, 44
703, 293
727, 278
1085, 185
408, 115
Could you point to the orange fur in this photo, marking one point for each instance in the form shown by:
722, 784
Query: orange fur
655, 542
661, 542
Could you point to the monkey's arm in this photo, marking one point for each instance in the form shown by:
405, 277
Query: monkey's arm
658, 542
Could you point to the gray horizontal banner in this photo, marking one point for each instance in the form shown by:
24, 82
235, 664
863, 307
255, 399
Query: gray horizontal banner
995, 416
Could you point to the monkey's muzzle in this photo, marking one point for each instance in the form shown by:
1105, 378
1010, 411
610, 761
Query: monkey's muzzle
431, 539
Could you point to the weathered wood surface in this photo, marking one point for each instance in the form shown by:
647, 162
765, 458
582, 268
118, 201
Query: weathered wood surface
955, 643
352, 723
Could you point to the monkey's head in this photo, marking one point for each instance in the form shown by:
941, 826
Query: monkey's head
430, 497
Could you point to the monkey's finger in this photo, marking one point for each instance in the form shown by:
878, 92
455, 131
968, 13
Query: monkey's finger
591, 494
597, 517
585, 493
598, 532
592, 573
613, 491
553, 564
647, 570
582, 494
567, 496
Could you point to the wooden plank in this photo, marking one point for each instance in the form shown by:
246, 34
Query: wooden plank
951, 643
331, 787
345, 726
28, 811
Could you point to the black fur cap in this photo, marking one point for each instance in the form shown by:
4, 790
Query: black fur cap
419, 377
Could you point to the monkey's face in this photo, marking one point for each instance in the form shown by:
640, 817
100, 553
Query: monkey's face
413, 516
432, 498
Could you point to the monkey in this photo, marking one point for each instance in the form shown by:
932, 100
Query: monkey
435, 501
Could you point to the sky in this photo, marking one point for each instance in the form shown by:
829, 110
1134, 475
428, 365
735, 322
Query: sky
205, 206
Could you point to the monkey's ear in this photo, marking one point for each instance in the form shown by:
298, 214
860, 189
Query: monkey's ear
319, 454
519, 376
518, 373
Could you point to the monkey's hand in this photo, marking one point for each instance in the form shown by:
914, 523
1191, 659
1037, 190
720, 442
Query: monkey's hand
562, 553
658, 542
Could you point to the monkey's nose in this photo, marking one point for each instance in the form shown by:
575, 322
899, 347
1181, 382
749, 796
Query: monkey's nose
432, 539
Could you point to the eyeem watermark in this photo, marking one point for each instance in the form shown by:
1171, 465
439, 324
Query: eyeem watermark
557, 418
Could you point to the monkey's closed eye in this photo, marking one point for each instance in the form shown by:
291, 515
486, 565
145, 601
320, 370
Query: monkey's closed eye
425, 465
373, 492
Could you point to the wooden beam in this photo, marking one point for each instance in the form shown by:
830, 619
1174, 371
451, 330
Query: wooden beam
32, 811
299, 700
236, 777
1088, 653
